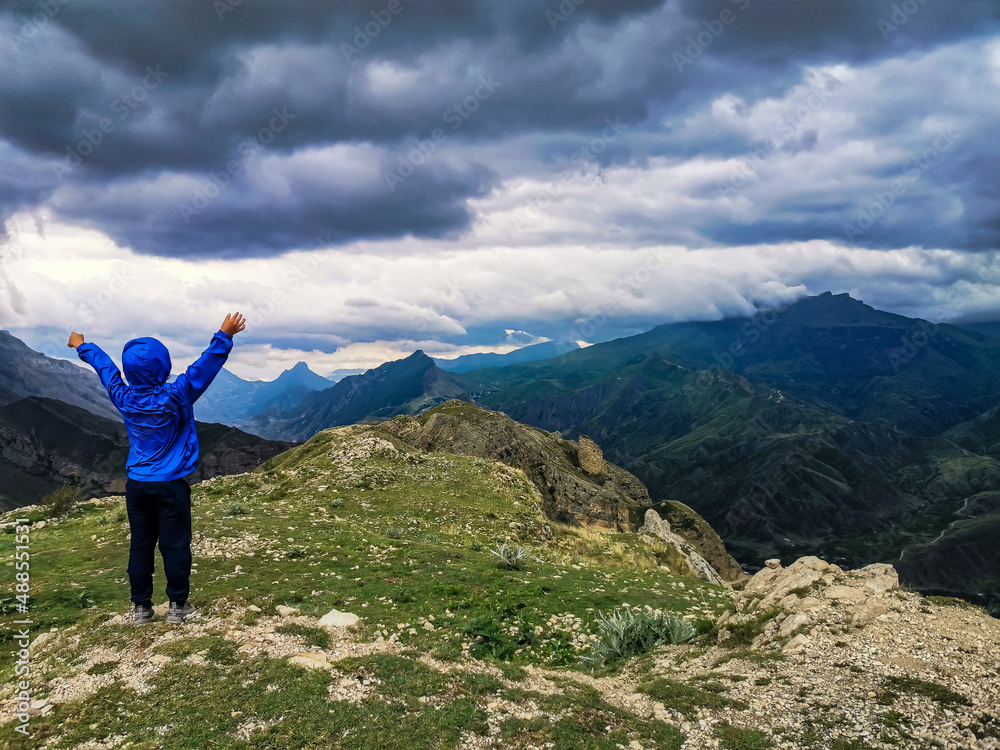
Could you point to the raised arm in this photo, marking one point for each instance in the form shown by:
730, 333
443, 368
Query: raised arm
107, 370
199, 375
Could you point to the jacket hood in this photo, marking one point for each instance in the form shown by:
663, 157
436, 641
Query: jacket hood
146, 362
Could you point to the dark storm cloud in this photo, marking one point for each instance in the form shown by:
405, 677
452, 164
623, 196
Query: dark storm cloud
121, 113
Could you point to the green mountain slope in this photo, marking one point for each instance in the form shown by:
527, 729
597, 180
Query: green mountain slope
451, 648
834, 352
823, 442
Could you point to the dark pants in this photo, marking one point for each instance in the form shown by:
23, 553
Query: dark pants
159, 512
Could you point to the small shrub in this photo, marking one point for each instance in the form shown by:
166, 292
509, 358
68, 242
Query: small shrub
61, 502
395, 532
294, 552
121, 516
932, 690
313, 636
403, 595
432, 539
734, 738
744, 633
236, 508
627, 632
510, 557
476, 547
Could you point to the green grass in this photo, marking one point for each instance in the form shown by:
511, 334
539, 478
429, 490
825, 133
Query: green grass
687, 698
734, 738
400, 540
938, 693
313, 636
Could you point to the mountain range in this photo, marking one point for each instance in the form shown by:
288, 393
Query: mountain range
406, 386
826, 427
532, 353
232, 400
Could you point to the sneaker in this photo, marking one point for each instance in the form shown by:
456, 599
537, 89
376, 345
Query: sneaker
179, 612
143, 614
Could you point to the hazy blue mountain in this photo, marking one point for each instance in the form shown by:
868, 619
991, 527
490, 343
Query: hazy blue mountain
231, 400
535, 352
287, 390
406, 386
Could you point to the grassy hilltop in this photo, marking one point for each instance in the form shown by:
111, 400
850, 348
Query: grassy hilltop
354, 521
454, 649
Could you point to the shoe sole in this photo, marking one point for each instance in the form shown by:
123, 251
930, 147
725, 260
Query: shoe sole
178, 619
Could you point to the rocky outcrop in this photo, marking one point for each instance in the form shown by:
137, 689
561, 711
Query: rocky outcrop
655, 526
695, 530
570, 494
784, 604
591, 456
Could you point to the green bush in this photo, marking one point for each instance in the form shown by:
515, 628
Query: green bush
628, 632
61, 502
236, 508
510, 557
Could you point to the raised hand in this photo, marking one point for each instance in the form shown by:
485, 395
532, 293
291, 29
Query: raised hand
233, 324
75, 339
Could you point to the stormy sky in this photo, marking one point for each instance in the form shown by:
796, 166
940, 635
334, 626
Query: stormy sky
364, 178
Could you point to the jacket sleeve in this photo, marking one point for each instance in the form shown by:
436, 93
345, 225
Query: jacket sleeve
107, 371
199, 375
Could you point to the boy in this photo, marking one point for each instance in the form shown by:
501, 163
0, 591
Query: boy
163, 449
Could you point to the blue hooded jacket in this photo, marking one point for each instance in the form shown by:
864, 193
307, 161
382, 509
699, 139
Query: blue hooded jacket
159, 416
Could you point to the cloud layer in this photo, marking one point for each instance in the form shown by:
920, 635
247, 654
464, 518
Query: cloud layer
455, 169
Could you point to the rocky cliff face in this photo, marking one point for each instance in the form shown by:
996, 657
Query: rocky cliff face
570, 494
654, 526
45, 443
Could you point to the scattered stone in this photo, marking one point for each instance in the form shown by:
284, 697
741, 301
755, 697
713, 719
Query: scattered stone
335, 619
284, 611
311, 660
